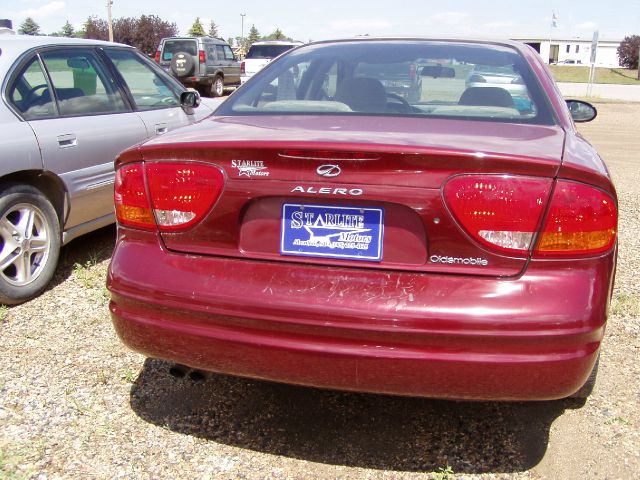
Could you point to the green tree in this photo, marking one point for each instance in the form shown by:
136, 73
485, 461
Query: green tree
196, 30
628, 51
95, 28
29, 27
67, 30
242, 42
277, 35
213, 29
254, 36
230, 41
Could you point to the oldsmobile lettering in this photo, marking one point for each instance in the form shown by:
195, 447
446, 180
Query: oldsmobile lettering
483, 262
250, 168
329, 191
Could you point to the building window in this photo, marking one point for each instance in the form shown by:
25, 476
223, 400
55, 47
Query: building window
577, 48
568, 48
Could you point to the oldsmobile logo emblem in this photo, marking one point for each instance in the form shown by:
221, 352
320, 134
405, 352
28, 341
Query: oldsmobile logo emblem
328, 170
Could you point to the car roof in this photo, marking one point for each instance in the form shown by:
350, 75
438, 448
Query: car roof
205, 39
277, 42
449, 39
14, 46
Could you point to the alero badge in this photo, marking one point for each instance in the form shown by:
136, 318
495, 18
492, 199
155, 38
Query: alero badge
250, 168
328, 170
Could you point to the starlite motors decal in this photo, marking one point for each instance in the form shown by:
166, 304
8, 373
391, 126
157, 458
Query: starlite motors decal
458, 261
250, 168
332, 232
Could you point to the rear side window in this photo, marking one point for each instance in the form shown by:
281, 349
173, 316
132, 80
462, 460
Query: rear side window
82, 84
267, 51
224, 52
30, 93
228, 53
172, 47
150, 91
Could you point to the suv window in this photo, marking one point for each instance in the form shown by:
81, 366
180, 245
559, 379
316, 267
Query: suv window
228, 53
174, 46
149, 90
82, 83
267, 51
30, 94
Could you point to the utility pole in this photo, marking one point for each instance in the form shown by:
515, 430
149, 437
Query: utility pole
242, 15
110, 20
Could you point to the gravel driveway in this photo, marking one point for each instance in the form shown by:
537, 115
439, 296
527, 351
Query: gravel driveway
74, 403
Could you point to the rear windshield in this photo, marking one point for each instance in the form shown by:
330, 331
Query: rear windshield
267, 51
172, 47
389, 78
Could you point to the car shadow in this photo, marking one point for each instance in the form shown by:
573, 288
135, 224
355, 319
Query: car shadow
349, 429
89, 249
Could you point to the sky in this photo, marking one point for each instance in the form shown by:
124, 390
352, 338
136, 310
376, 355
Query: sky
303, 20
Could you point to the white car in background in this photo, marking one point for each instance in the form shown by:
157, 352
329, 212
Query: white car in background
260, 54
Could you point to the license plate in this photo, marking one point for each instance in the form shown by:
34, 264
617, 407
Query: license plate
350, 233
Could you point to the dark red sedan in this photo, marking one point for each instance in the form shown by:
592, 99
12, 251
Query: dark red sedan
358, 217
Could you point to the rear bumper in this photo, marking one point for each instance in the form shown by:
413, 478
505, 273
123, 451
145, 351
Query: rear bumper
448, 336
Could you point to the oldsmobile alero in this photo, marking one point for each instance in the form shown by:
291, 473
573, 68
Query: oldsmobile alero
321, 230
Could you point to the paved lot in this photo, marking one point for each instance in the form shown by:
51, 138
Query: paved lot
74, 403
629, 93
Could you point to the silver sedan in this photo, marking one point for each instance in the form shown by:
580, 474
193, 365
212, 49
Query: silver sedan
69, 106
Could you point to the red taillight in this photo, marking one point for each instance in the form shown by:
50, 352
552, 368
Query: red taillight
582, 220
242, 68
202, 56
157, 58
179, 194
501, 212
131, 200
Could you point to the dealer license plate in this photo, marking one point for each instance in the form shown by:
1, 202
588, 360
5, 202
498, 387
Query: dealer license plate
350, 233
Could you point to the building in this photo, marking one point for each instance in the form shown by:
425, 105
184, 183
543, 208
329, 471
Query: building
575, 51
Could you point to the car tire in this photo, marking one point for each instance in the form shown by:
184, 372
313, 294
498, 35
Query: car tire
217, 89
182, 64
29, 243
587, 388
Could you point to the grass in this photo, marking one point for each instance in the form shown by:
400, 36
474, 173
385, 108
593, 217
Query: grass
443, 473
4, 310
88, 274
8, 468
618, 420
621, 76
625, 305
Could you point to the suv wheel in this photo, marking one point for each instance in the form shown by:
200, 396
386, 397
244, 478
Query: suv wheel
182, 64
29, 243
217, 89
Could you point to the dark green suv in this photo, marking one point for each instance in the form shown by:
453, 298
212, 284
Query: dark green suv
205, 63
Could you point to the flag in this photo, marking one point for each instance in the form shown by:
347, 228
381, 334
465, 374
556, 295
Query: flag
554, 20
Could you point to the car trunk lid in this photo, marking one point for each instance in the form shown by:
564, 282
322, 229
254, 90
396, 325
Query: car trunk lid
332, 172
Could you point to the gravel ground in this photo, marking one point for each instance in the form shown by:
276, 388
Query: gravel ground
74, 403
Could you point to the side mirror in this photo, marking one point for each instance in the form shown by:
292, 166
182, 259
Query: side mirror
190, 99
581, 111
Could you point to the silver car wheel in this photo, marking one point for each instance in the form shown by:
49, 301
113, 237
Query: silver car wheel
26, 243
218, 87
